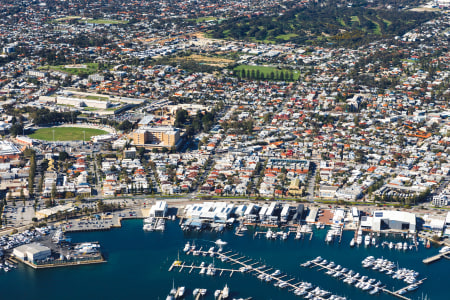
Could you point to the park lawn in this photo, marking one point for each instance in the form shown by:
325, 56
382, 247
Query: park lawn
204, 19
66, 133
286, 36
99, 98
355, 19
106, 21
267, 70
91, 69
66, 19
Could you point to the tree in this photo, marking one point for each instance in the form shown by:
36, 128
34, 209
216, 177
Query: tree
16, 129
53, 192
63, 155
181, 117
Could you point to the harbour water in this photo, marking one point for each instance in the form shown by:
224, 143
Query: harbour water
137, 266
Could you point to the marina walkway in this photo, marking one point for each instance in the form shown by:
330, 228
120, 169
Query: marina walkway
245, 267
437, 257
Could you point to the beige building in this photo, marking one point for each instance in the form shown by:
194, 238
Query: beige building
164, 136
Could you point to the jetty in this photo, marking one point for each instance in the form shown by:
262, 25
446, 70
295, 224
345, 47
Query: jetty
437, 257
246, 266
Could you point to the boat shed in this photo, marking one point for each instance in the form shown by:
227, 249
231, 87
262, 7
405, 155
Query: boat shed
298, 216
311, 218
396, 220
32, 252
285, 213
262, 212
159, 210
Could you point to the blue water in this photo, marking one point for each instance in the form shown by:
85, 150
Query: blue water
138, 265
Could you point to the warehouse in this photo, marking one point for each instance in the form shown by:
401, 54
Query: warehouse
32, 252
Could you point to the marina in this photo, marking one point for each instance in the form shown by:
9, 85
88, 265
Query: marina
164, 246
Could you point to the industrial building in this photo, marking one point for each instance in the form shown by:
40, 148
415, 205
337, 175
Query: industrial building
32, 252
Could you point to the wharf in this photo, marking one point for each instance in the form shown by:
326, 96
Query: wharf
437, 257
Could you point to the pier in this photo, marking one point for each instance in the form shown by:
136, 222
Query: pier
437, 257
245, 267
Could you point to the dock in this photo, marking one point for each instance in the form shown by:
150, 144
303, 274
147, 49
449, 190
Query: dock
437, 257
246, 266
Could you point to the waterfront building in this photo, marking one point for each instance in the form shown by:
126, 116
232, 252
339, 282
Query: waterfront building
159, 209
396, 220
32, 252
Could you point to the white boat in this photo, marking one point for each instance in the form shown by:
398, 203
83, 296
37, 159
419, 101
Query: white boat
374, 241
225, 292
352, 242
359, 237
405, 246
186, 247
284, 236
367, 240
180, 291
276, 273
203, 292
217, 293
269, 234
195, 292
391, 245
220, 242
444, 249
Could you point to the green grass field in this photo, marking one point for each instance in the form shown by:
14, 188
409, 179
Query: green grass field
267, 70
106, 21
91, 69
66, 133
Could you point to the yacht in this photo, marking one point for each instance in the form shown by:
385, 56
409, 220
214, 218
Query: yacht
269, 234
359, 237
225, 292
195, 292
405, 246
391, 245
203, 292
374, 241
276, 273
180, 291
219, 242
217, 294
444, 249
186, 247
352, 242
367, 241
